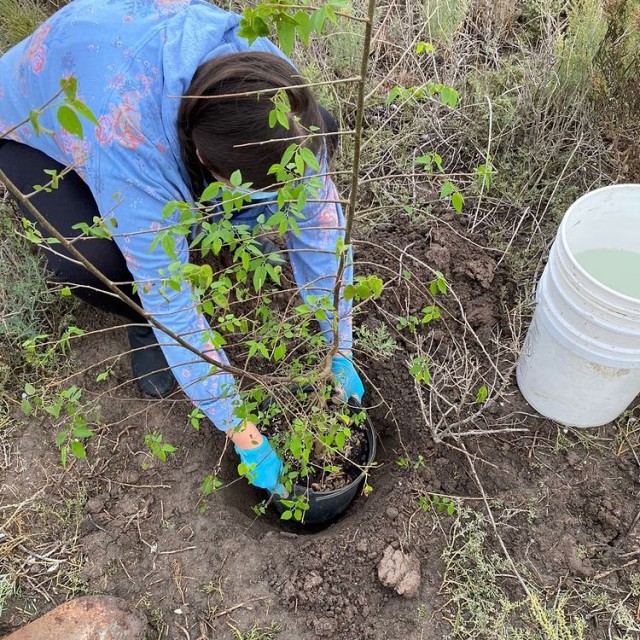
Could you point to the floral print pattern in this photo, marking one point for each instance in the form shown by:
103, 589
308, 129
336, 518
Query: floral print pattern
131, 59
36, 52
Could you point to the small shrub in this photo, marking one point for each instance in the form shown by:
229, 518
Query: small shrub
377, 343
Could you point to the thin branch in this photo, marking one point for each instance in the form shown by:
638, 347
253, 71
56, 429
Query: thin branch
310, 8
355, 176
4, 134
16, 193
273, 90
472, 466
325, 134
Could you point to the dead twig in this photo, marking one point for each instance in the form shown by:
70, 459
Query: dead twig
506, 553
219, 614
608, 572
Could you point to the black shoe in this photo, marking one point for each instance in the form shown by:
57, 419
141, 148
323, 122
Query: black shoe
148, 364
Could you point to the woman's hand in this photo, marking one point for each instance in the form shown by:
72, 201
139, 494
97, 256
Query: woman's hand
347, 377
264, 464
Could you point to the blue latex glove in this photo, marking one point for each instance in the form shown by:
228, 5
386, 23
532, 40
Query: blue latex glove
347, 377
264, 467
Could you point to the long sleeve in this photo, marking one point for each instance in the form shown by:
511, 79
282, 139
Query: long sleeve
137, 219
315, 262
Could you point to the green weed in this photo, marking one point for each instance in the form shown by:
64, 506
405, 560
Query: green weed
479, 586
256, 632
377, 343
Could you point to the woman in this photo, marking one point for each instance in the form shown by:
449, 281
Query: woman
132, 62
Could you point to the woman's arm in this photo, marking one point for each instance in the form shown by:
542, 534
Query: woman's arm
315, 262
138, 220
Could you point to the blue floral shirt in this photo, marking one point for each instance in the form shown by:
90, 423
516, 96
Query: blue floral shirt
132, 60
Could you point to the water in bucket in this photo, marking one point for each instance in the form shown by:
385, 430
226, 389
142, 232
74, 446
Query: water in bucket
617, 269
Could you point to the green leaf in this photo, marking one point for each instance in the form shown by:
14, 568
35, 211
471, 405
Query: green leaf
82, 432
396, 92
252, 27
84, 111
303, 25
236, 178
169, 245
65, 291
447, 189
259, 277
69, 87
54, 410
286, 36
26, 406
448, 96
210, 484
457, 201
288, 154
317, 20
482, 394
29, 389
281, 117
424, 47
287, 515
279, 352
69, 121
210, 192
78, 450
310, 158
34, 119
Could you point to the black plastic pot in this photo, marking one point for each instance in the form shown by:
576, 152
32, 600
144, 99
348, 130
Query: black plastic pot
325, 506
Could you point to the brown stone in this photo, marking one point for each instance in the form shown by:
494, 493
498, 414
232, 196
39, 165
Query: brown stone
87, 618
400, 571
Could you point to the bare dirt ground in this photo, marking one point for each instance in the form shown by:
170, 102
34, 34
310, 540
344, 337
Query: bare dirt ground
131, 526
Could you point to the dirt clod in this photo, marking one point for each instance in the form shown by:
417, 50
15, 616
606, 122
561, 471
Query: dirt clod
400, 571
95, 505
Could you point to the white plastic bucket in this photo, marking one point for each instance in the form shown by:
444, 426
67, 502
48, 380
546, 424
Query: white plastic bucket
580, 364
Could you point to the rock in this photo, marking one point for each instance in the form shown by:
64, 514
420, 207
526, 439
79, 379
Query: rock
312, 581
362, 546
130, 504
392, 513
289, 591
400, 571
95, 505
325, 626
573, 458
87, 618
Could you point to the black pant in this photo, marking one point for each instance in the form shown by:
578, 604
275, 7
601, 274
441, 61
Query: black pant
71, 203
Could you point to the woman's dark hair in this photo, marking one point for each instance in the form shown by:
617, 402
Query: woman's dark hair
216, 126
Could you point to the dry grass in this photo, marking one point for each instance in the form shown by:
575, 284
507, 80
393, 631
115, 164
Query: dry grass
526, 75
479, 586
18, 19
39, 554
